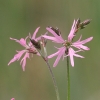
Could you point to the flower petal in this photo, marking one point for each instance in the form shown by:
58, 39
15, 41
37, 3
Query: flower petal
23, 61
52, 38
17, 56
22, 41
71, 54
34, 34
54, 54
83, 41
86, 40
60, 39
79, 44
49, 37
61, 52
78, 56
72, 31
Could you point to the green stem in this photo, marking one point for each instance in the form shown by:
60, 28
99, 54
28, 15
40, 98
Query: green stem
68, 80
54, 81
52, 75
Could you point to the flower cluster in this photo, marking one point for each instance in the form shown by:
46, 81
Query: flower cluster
67, 45
29, 49
35, 45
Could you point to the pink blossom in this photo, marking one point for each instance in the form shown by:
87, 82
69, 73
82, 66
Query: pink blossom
66, 49
29, 48
12, 98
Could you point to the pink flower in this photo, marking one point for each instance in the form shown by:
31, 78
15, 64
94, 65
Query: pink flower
66, 49
29, 48
13, 99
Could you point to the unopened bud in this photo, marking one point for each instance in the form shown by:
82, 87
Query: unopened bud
84, 23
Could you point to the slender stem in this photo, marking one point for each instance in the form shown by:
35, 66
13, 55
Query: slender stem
54, 81
68, 80
52, 75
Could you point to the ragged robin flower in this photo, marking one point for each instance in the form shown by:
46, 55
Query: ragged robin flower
29, 48
67, 45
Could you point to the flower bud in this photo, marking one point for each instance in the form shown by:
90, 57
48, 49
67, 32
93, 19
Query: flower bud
84, 23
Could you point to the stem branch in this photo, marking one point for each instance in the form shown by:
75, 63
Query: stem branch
52, 75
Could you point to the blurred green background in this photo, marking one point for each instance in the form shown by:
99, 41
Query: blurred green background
17, 19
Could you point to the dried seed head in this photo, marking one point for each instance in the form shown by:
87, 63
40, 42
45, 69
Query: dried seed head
36, 44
